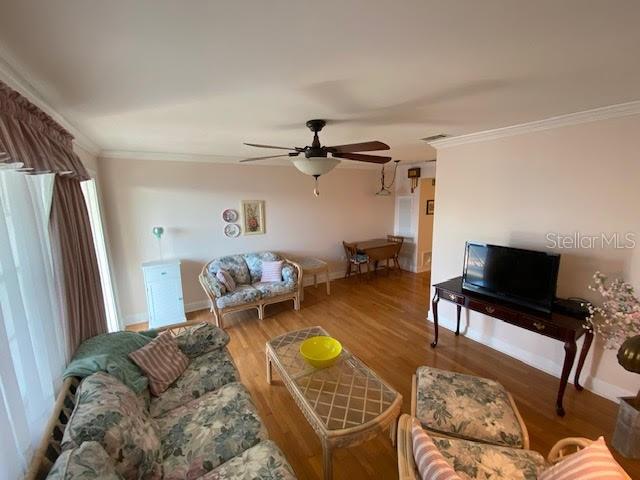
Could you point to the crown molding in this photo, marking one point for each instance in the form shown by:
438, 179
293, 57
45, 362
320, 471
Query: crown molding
19, 80
210, 158
602, 113
167, 156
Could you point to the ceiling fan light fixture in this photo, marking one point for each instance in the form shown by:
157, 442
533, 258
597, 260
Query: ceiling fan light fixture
315, 166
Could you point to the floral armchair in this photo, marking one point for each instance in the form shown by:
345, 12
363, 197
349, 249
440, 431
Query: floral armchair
250, 291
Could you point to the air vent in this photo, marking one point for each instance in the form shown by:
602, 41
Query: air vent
433, 138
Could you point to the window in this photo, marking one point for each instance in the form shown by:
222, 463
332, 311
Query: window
93, 206
33, 350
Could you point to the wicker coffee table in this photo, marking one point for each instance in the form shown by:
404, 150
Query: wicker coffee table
346, 404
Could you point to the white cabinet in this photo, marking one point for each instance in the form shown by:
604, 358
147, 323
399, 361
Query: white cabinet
163, 287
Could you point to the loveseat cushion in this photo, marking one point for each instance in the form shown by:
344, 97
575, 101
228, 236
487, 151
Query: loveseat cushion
481, 461
467, 406
204, 374
235, 265
241, 295
214, 284
273, 289
254, 263
87, 462
109, 413
289, 274
263, 461
201, 338
205, 433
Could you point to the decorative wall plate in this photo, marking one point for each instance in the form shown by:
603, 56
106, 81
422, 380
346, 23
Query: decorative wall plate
230, 215
231, 230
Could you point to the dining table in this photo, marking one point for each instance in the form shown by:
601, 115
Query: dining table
378, 249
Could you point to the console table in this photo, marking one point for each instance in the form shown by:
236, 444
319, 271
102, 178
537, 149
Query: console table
557, 326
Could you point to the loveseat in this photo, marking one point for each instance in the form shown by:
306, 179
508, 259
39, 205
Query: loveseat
204, 426
250, 292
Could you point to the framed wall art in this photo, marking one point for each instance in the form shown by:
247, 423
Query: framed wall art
430, 207
253, 217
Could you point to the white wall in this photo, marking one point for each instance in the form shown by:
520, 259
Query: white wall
187, 199
513, 191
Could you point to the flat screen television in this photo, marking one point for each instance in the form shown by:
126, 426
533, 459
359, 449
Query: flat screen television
524, 277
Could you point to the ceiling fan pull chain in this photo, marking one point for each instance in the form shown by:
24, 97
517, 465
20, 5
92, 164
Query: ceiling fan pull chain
316, 190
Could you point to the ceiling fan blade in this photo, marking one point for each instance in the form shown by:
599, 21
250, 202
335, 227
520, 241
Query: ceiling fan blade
362, 157
253, 159
271, 146
359, 147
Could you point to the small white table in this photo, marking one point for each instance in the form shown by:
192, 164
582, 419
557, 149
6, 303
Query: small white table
314, 266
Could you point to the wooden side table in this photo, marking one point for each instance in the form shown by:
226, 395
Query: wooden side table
314, 266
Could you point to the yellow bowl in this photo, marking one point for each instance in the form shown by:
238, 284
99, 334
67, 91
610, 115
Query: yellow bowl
320, 351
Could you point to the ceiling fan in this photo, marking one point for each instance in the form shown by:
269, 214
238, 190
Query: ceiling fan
316, 160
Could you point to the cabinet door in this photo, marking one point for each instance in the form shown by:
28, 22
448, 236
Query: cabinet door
165, 302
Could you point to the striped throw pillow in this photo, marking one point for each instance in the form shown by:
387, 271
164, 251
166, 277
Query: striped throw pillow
226, 279
162, 362
271, 271
593, 462
430, 462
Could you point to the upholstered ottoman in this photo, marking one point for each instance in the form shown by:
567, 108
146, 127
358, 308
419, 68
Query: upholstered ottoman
468, 407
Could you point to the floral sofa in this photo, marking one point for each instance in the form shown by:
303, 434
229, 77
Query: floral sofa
250, 291
205, 426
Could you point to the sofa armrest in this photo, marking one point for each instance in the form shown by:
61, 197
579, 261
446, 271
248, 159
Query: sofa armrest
404, 444
565, 447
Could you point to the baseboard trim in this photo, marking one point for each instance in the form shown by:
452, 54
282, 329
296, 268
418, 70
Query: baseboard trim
595, 385
142, 317
307, 281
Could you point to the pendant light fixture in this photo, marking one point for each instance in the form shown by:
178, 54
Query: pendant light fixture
384, 189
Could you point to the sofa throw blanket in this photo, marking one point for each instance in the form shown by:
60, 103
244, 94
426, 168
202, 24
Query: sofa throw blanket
109, 353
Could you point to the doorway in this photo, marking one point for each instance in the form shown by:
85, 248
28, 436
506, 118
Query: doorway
426, 210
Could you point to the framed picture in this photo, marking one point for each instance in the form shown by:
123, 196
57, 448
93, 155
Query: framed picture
253, 217
430, 207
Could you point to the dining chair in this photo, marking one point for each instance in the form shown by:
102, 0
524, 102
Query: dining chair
399, 240
354, 258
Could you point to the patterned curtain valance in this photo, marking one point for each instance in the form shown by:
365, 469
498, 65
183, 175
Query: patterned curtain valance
32, 137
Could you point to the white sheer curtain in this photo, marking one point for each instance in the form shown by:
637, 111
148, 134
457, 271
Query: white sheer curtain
33, 349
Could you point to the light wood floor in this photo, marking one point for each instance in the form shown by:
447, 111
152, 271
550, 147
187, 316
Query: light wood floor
382, 321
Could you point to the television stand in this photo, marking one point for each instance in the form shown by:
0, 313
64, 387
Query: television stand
556, 325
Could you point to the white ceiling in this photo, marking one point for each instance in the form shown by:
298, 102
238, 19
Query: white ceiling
201, 77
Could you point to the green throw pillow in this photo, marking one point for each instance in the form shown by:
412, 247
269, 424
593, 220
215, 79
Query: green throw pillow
110, 353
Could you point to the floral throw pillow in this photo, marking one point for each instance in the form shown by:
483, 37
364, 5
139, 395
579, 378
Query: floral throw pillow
162, 361
87, 462
200, 339
110, 413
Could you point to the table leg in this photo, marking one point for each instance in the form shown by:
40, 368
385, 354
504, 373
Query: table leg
326, 461
329, 282
268, 369
569, 357
434, 308
393, 431
458, 308
588, 338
